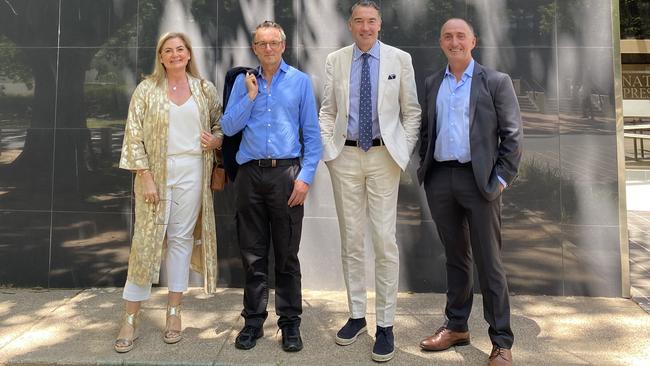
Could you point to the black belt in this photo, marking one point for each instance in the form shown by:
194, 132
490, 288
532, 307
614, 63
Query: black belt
454, 164
272, 163
375, 142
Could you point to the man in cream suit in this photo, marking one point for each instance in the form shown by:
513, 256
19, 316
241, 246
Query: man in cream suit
370, 120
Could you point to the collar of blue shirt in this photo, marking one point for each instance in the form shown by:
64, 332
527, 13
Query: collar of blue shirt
374, 51
283, 67
469, 71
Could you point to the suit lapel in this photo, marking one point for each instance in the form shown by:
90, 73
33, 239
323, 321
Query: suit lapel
345, 67
384, 60
477, 81
433, 100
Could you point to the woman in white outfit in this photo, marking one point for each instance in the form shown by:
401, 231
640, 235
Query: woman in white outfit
172, 129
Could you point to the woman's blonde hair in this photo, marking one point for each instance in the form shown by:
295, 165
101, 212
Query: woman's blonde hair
159, 72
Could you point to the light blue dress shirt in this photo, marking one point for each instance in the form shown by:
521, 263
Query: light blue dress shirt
452, 108
273, 121
355, 83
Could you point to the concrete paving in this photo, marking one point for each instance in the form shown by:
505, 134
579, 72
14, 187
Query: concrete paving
77, 327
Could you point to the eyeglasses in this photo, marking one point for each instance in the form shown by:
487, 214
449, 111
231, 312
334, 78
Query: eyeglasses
274, 45
157, 222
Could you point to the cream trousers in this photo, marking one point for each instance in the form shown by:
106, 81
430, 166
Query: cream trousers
182, 206
368, 181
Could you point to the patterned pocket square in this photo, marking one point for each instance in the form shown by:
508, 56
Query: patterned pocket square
391, 76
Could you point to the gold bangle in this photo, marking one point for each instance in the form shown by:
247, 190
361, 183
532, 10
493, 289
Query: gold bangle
141, 171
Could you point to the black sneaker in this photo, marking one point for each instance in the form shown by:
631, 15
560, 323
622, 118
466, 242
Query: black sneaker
247, 337
384, 348
291, 341
350, 331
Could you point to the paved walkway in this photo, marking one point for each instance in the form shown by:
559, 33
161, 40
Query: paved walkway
72, 327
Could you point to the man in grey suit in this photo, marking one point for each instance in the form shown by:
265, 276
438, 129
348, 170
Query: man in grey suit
370, 119
470, 150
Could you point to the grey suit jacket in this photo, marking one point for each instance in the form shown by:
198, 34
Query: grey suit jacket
496, 132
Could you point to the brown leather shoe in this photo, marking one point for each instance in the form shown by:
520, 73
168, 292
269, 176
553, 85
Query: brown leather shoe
444, 338
500, 357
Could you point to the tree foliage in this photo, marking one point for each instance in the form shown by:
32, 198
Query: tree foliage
635, 15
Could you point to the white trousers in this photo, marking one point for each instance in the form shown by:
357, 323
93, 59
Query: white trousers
369, 180
182, 205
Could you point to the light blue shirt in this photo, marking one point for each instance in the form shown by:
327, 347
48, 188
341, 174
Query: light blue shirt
355, 83
273, 121
452, 120
452, 109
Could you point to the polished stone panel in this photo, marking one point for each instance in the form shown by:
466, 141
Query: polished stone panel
513, 23
26, 169
97, 23
589, 189
426, 62
320, 254
320, 200
588, 137
592, 261
584, 23
532, 254
27, 86
422, 255
237, 19
64, 98
315, 33
89, 249
197, 19
417, 23
224, 201
30, 23
229, 265
98, 87
24, 248
312, 62
86, 173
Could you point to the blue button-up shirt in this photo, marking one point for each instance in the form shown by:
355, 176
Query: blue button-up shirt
452, 116
355, 84
273, 121
452, 120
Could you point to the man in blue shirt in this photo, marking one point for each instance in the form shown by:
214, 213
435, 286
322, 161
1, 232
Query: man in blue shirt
273, 109
470, 150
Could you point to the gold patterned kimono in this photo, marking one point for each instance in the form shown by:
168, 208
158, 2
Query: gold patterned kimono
145, 147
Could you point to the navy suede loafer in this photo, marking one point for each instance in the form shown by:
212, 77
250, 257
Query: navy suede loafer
384, 348
350, 331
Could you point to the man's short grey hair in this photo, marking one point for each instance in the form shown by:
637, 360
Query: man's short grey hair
270, 24
471, 28
365, 3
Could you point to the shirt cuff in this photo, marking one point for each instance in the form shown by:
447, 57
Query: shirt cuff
505, 185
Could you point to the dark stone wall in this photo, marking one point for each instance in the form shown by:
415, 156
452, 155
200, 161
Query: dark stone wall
69, 67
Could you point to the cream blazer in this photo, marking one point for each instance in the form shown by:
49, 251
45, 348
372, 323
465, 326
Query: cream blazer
398, 109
